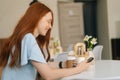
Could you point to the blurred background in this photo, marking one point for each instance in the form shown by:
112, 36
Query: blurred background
73, 19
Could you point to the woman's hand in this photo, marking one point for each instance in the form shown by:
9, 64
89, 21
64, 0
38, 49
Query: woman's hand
83, 65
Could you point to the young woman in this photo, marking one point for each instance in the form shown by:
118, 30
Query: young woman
22, 55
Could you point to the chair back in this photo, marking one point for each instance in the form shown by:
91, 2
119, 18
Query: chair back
97, 51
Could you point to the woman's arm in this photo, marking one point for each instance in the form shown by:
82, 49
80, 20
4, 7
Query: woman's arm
56, 64
50, 73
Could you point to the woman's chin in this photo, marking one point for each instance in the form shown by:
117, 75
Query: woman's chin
44, 34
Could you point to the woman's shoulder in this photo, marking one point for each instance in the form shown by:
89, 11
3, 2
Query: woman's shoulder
29, 39
29, 35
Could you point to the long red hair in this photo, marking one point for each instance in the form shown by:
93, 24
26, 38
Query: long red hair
26, 25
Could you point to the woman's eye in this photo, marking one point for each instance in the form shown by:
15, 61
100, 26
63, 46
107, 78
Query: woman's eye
49, 21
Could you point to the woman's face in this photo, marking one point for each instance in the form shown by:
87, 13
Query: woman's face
43, 25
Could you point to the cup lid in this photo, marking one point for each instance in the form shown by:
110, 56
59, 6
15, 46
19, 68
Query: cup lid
71, 58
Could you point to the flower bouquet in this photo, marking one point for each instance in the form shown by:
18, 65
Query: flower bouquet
90, 42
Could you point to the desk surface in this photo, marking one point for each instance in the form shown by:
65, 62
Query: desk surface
102, 69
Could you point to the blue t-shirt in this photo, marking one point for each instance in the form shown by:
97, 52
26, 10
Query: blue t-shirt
29, 51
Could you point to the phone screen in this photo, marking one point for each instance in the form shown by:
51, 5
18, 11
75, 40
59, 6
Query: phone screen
90, 59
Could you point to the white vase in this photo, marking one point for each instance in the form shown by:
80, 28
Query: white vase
90, 52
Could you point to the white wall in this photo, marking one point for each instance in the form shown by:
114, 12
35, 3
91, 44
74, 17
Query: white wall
114, 18
108, 24
103, 33
12, 11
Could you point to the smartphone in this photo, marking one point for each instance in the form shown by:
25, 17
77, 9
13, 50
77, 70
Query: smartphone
89, 59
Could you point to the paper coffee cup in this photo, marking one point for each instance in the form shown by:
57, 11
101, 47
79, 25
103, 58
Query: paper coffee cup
70, 61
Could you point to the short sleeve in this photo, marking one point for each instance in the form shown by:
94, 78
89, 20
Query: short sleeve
30, 50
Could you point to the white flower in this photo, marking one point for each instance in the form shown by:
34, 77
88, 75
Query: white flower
90, 41
87, 38
94, 41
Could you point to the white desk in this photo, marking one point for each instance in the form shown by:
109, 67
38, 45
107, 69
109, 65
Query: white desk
101, 70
